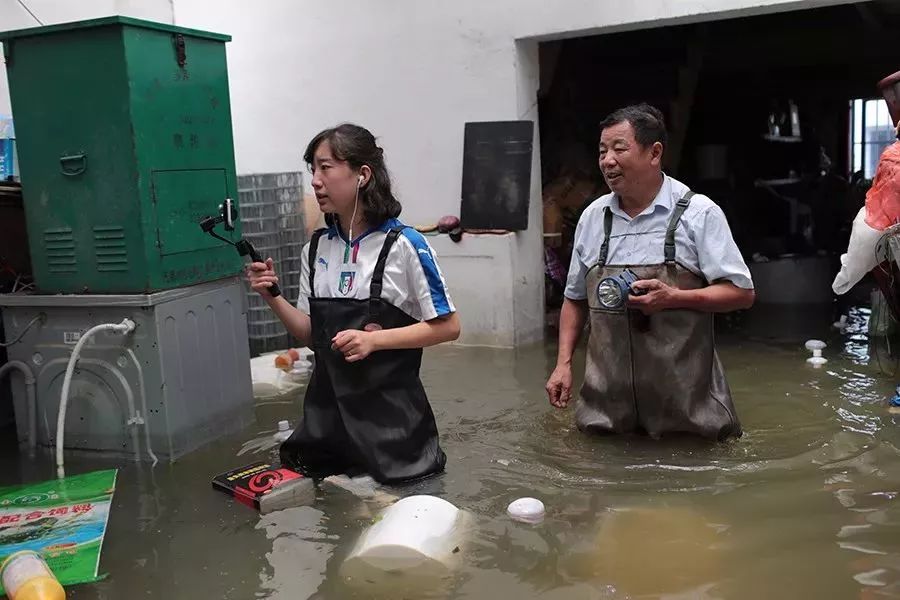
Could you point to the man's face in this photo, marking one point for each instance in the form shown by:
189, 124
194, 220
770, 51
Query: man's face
624, 162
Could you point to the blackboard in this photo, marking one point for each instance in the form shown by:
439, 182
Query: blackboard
496, 180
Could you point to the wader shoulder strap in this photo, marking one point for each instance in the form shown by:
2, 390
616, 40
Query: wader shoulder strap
680, 207
313, 251
378, 274
607, 230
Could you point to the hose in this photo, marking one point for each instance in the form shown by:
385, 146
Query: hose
30, 384
125, 327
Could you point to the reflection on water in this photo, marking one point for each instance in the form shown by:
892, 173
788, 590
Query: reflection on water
804, 505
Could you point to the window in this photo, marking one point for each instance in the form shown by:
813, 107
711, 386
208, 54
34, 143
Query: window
872, 131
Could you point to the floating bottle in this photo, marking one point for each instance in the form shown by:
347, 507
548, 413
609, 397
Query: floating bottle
26, 576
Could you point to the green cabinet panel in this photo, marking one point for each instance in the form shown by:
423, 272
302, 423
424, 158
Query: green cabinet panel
125, 142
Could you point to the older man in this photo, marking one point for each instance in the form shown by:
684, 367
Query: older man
652, 262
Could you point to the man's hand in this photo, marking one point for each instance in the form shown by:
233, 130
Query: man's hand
658, 296
559, 386
355, 345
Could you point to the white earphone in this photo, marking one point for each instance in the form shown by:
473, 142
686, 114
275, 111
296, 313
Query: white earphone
359, 182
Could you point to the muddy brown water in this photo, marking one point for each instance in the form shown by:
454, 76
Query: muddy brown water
804, 505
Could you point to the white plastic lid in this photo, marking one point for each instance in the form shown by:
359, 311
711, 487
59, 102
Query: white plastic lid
283, 425
815, 345
527, 510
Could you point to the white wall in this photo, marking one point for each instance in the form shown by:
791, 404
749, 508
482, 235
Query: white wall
412, 71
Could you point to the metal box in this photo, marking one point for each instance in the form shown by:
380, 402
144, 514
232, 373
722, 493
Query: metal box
124, 142
184, 371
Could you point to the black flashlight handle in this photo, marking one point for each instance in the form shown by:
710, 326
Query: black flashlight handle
246, 248
630, 278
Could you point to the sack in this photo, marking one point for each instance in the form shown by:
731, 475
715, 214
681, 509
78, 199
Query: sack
860, 256
883, 198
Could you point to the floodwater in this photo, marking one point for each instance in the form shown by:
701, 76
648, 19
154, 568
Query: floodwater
805, 505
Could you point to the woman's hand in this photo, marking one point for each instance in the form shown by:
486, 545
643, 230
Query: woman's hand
355, 345
262, 277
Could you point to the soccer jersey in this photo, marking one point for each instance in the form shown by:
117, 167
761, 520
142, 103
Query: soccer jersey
413, 282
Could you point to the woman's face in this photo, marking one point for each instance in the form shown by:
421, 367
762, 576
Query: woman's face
334, 181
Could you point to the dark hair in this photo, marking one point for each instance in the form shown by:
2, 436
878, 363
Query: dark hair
356, 145
647, 121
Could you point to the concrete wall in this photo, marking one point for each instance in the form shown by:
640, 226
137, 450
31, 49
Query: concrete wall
412, 71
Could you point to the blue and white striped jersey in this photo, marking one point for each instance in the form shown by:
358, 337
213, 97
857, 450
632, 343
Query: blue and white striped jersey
413, 282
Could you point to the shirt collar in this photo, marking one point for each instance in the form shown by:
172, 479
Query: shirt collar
663, 200
390, 224
386, 226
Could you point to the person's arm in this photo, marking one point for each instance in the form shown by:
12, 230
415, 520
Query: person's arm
356, 345
261, 277
719, 297
572, 318
420, 335
296, 322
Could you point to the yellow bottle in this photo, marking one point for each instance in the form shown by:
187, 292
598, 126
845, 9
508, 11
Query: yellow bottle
26, 576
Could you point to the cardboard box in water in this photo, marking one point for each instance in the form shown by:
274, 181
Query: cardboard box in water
266, 487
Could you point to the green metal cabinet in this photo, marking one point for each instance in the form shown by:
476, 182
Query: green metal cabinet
125, 143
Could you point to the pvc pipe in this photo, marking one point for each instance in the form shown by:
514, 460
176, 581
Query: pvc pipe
31, 395
146, 419
125, 327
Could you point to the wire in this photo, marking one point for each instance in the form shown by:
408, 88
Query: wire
353, 218
24, 331
33, 16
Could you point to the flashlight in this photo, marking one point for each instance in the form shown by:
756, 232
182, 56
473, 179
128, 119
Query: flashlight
612, 292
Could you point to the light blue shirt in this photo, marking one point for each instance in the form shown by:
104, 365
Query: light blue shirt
703, 241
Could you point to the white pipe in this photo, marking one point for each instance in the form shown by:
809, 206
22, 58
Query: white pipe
31, 396
125, 327
134, 417
146, 419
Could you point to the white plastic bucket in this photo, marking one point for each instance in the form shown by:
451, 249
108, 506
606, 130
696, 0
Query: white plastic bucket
418, 533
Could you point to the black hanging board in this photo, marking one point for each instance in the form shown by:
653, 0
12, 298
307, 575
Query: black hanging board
496, 180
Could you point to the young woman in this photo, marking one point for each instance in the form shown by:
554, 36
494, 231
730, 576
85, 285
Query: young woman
371, 297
